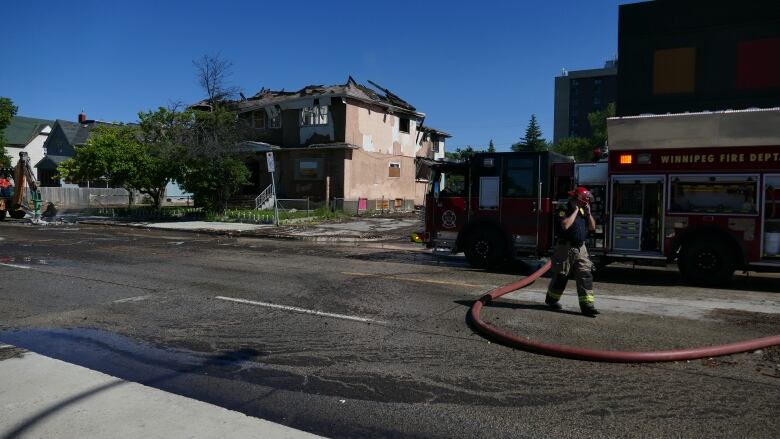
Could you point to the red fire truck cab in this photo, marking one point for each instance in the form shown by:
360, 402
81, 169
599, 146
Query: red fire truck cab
494, 206
701, 188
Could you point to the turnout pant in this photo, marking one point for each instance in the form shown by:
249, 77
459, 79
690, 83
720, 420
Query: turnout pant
565, 259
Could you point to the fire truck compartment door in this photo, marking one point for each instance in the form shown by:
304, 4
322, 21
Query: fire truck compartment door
638, 179
637, 204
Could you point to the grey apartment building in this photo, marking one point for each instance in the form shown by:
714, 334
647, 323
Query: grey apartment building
578, 93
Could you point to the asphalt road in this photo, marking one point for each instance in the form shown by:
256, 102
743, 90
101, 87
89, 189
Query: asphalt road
390, 353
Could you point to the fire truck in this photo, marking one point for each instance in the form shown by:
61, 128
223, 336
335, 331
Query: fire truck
699, 188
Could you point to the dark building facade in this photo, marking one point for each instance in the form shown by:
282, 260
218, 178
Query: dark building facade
698, 55
578, 93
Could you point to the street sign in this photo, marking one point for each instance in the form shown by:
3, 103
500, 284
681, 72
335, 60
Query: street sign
269, 157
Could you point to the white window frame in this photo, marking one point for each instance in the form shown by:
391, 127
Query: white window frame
314, 116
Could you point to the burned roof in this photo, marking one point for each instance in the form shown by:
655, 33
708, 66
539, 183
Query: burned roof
351, 89
432, 130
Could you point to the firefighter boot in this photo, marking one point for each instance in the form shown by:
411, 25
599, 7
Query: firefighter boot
589, 310
553, 304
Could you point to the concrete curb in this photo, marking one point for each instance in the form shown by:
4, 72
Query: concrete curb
246, 234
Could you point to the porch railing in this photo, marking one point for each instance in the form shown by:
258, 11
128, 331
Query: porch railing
264, 197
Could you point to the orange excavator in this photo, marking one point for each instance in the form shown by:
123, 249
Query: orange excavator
14, 200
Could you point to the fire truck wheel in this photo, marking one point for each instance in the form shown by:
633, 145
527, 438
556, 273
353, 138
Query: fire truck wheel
706, 262
484, 248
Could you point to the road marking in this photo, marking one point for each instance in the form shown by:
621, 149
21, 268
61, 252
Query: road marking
15, 266
412, 279
133, 299
300, 310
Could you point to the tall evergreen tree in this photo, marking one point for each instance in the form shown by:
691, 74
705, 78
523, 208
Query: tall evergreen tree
533, 140
491, 147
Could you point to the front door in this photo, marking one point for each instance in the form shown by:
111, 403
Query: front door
521, 201
448, 212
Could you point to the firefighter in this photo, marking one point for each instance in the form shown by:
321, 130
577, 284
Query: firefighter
5, 185
573, 223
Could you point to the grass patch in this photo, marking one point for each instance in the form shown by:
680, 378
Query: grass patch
149, 212
253, 216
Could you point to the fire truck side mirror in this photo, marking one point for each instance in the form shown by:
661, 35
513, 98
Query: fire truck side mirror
435, 189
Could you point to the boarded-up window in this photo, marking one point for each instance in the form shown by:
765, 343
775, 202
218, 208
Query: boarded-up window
758, 64
674, 70
308, 169
394, 170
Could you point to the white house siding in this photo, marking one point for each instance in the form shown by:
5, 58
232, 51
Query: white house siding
34, 149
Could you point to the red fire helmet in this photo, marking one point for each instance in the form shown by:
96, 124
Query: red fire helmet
582, 194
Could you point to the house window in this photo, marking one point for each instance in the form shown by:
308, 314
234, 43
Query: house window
404, 125
274, 118
258, 119
308, 169
394, 169
316, 115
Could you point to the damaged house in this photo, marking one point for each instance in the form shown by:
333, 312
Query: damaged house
347, 143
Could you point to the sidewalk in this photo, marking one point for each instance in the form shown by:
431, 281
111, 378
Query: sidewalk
41, 397
354, 230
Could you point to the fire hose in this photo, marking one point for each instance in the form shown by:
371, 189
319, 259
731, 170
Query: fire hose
576, 353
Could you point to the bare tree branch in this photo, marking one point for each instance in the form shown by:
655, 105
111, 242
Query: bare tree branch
213, 73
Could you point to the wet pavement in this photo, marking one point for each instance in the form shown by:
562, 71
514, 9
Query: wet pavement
361, 229
142, 306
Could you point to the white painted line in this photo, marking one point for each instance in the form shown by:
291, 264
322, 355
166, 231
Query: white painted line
301, 310
133, 299
16, 266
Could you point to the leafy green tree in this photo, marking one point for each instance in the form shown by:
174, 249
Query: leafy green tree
532, 140
143, 158
598, 124
580, 148
491, 147
211, 171
213, 182
7, 112
461, 153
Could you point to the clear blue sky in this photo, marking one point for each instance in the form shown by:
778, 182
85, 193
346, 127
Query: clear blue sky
478, 70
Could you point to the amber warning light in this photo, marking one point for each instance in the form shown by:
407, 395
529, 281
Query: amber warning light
626, 159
